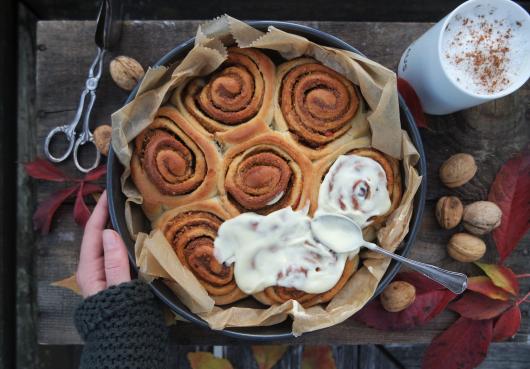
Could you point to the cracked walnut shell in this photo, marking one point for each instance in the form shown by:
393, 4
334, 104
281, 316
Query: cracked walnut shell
449, 211
102, 136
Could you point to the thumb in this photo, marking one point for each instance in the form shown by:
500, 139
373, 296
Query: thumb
115, 256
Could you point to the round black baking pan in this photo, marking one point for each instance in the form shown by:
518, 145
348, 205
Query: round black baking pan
283, 330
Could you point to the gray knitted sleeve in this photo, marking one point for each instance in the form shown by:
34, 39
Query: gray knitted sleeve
123, 327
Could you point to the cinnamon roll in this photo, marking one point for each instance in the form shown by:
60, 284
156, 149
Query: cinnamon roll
234, 102
279, 295
172, 164
264, 174
191, 231
320, 108
362, 196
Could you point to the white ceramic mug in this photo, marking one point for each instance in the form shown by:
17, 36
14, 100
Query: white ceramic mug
422, 63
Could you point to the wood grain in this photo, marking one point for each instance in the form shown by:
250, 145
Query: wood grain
492, 133
500, 355
8, 113
26, 310
337, 10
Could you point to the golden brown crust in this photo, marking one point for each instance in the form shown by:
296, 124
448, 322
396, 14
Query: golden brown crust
235, 102
279, 295
264, 174
319, 108
172, 164
261, 170
191, 230
389, 164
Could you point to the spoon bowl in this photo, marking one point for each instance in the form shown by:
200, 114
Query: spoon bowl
342, 235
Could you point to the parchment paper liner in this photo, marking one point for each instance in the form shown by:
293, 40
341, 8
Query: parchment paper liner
154, 255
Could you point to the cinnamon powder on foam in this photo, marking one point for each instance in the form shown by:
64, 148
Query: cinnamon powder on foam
485, 53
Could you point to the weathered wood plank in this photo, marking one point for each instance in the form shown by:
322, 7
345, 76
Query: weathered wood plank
350, 10
64, 53
500, 355
492, 133
374, 357
8, 100
26, 293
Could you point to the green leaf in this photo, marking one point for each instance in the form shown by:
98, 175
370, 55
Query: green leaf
268, 355
205, 360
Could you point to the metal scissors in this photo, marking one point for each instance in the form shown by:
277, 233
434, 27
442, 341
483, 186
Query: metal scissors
106, 34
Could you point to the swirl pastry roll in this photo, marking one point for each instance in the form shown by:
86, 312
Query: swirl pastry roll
191, 231
278, 295
362, 183
234, 102
264, 174
320, 108
172, 164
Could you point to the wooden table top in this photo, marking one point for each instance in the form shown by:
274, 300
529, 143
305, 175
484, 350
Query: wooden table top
492, 133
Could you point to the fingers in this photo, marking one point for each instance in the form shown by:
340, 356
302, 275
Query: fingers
91, 247
89, 285
115, 257
103, 259
100, 214
91, 270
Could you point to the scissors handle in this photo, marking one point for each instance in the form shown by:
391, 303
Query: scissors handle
85, 137
64, 130
82, 140
94, 74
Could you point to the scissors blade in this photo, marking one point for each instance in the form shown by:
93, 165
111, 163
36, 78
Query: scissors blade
109, 23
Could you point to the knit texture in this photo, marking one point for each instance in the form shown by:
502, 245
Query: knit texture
123, 327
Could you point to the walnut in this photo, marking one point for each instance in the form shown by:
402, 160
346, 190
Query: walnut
482, 217
449, 211
102, 136
398, 296
126, 72
458, 170
465, 247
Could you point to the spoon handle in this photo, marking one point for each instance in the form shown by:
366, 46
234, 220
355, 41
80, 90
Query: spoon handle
453, 281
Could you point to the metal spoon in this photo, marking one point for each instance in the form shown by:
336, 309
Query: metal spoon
329, 228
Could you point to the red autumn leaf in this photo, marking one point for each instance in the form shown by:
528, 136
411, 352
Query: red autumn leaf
479, 307
90, 188
510, 191
483, 284
413, 102
42, 218
501, 276
431, 299
318, 357
464, 345
43, 169
96, 174
419, 281
205, 360
81, 211
426, 306
508, 324
268, 355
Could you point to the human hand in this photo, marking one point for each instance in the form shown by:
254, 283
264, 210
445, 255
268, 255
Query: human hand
103, 260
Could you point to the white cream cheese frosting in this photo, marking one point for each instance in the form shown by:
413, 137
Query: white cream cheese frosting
279, 249
355, 186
